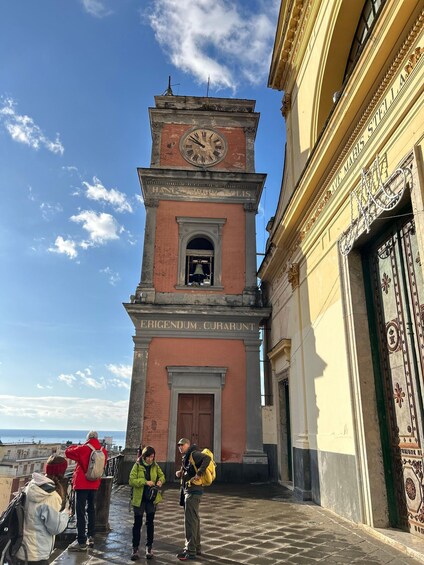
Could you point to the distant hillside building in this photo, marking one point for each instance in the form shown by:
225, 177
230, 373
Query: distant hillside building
197, 308
17, 463
344, 262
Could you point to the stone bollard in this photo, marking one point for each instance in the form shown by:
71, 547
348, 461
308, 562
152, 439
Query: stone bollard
103, 504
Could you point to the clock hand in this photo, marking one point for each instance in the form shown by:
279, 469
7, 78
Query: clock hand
194, 140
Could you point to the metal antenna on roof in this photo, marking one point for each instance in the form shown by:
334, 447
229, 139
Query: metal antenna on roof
168, 91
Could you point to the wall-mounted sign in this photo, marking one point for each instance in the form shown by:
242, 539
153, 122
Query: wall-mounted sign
197, 325
371, 125
371, 197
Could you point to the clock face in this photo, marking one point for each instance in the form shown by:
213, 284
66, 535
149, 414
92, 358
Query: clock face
203, 147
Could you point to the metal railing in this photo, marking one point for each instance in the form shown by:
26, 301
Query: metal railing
112, 467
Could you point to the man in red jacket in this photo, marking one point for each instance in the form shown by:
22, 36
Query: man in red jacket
85, 490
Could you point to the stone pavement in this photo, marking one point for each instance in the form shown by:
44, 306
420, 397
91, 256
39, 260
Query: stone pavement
252, 524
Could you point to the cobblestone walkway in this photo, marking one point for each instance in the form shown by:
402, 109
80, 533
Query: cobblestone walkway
252, 524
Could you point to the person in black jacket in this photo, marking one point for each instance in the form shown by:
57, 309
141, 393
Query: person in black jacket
194, 464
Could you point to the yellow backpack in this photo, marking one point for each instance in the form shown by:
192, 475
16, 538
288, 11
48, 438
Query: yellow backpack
209, 475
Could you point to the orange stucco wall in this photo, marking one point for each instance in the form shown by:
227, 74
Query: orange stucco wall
196, 352
170, 156
166, 243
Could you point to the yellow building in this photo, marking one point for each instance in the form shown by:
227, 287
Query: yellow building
342, 269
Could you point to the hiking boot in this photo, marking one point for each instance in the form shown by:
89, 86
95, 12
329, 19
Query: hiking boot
90, 541
185, 556
75, 546
135, 555
149, 553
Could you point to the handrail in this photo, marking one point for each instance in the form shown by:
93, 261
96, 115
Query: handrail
112, 467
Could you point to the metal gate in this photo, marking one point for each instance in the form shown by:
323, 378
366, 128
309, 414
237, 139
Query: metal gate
398, 304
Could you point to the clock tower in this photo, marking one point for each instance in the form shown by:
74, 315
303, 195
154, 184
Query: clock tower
197, 308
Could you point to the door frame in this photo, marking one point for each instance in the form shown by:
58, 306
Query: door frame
285, 447
195, 380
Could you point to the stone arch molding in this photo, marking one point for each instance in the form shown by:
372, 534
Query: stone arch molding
341, 29
195, 380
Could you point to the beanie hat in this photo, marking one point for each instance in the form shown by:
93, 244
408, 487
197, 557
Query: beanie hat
56, 465
147, 451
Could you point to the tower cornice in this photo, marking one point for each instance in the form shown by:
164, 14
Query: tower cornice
199, 185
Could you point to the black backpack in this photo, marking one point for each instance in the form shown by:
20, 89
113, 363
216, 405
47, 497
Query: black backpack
12, 529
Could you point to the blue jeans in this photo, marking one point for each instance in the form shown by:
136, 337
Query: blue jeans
85, 499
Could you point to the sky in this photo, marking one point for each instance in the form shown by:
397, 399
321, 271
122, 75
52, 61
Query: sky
76, 80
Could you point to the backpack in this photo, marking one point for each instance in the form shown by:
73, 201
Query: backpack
209, 475
12, 529
96, 464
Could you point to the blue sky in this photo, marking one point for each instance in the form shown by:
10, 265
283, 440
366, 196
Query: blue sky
77, 78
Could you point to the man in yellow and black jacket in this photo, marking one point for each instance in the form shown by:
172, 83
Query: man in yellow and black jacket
194, 464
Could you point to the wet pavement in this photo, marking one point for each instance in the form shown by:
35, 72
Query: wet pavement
252, 524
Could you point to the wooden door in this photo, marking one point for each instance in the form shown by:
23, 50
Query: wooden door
195, 420
398, 308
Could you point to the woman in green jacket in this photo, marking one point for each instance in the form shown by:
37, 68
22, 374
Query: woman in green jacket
145, 474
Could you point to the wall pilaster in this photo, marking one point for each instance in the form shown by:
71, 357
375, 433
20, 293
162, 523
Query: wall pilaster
250, 291
137, 394
254, 457
145, 290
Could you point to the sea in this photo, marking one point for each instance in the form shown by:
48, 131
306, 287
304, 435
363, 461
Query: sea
58, 436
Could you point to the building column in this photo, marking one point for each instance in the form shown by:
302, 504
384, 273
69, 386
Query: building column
136, 404
255, 461
145, 290
251, 285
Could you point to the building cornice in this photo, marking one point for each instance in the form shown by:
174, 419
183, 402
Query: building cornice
209, 186
281, 349
289, 40
292, 228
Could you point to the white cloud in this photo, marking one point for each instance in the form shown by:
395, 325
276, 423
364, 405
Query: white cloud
23, 129
43, 387
48, 211
67, 379
31, 194
96, 8
98, 192
55, 410
86, 379
122, 371
220, 39
65, 246
132, 239
119, 384
101, 227
113, 277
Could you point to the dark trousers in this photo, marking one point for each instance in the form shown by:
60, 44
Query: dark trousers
192, 523
85, 501
149, 509
41, 562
